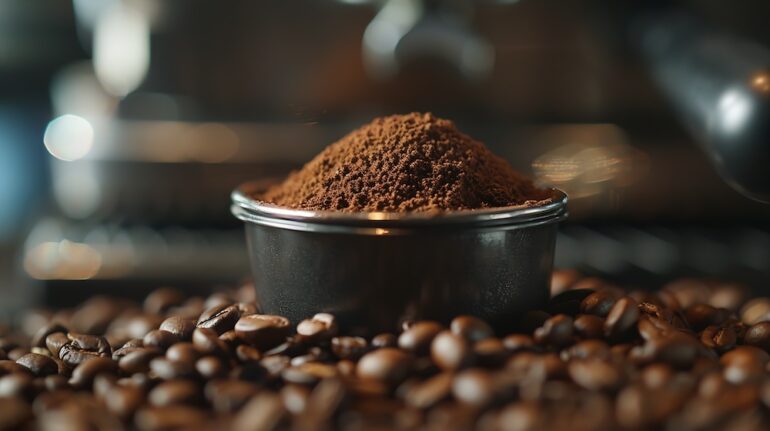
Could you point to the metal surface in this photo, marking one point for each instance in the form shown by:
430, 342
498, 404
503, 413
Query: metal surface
377, 269
720, 85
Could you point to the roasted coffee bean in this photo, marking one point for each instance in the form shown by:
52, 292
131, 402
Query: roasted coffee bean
417, 339
471, 328
274, 365
161, 300
451, 351
755, 311
159, 339
83, 375
430, 392
56, 382
475, 387
519, 342
176, 417
587, 349
124, 401
568, 302
247, 354
595, 374
349, 347
384, 340
662, 369
180, 326
589, 326
599, 303
744, 363
699, 316
174, 392
322, 404
81, 348
557, 331
206, 342
322, 326
138, 361
490, 352
657, 375
184, 352
167, 369
265, 411
219, 318
621, 318
17, 353
39, 365
51, 328
55, 341
388, 365
758, 335
231, 339
719, 338
262, 330
227, 396
14, 413
308, 373
211, 367
295, 398
17, 385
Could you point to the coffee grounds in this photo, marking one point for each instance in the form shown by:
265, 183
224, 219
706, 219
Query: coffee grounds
413, 162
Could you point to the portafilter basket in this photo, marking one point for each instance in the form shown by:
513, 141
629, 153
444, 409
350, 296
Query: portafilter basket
373, 270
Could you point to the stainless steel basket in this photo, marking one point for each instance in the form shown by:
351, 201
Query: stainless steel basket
377, 269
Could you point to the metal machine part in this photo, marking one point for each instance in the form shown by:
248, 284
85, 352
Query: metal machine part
720, 85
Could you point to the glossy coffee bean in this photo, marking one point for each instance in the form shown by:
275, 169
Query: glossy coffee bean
621, 318
39, 365
388, 365
138, 361
471, 328
159, 339
180, 326
589, 326
758, 335
349, 347
599, 303
262, 330
417, 339
175, 392
322, 326
220, 318
83, 375
451, 351
557, 331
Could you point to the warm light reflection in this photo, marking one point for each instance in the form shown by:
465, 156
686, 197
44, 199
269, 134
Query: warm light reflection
380, 231
377, 216
69, 137
214, 143
63, 260
587, 160
761, 82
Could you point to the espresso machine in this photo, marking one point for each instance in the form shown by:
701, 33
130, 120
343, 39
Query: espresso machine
652, 116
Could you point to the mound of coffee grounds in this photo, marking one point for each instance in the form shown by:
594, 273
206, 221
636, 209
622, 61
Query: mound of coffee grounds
413, 162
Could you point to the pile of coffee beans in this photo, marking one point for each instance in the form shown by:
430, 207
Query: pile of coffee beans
691, 356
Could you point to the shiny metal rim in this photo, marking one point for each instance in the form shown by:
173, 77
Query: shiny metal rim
381, 223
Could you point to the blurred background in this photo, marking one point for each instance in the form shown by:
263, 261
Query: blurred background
124, 125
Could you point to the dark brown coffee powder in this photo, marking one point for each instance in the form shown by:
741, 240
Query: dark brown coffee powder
413, 162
